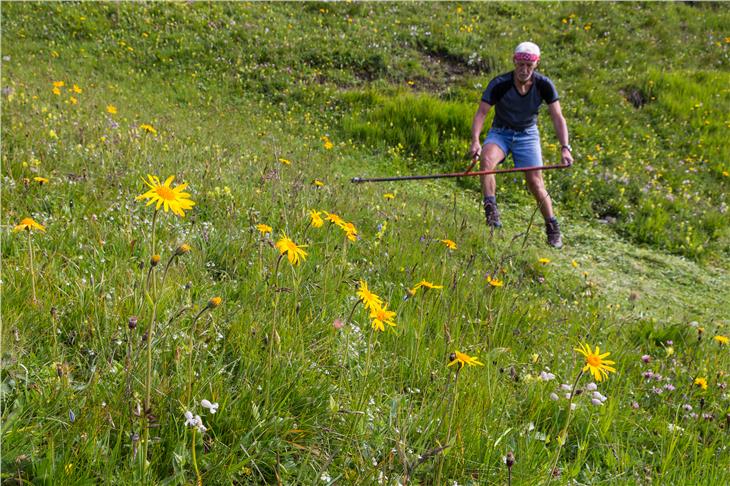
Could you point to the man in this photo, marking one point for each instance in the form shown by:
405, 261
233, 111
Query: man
516, 97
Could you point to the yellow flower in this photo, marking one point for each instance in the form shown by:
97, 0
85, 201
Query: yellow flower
381, 316
427, 285
111, 109
293, 251
574, 263
52, 133
318, 183
73, 100
389, 195
76, 89
333, 218
449, 244
701, 382
595, 362
28, 224
544, 261
171, 198
148, 128
154, 260
350, 231
56, 91
41, 180
327, 143
463, 359
721, 339
264, 228
317, 221
285, 161
214, 302
182, 249
371, 300
58, 84
494, 282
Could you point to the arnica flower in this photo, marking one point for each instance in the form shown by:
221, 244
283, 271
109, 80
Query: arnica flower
721, 339
350, 231
285, 161
111, 109
58, 84
318, 183
76, 89
182, 249
426, 285
27, 224
494, 282
56, 91
317, 221
449, 244
163, 194
544, 261
264, 228
371, 300
148, 128
214, 302
333, 218
382, 316
595, 362
41, 180
701, 382
389, 195
293, 251
463, 359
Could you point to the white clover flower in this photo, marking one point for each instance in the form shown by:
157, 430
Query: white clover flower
597, 396
596, 402
190, 420
554, 397
545, 376
591, 387
212, 407
566, 387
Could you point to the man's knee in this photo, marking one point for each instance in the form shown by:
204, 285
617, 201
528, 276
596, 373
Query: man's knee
488, 162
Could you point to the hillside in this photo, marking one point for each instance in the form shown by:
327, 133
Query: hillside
266, 111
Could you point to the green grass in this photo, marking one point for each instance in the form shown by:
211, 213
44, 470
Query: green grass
233, 88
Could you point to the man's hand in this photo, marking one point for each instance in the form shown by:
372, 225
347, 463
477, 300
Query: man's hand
567, 157
475, 150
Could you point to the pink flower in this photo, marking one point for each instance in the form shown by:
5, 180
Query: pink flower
338, 324
646, 358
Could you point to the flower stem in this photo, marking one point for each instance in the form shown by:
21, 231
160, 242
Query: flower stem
32, 272
195, 462
189, 392
564, 432
150, 335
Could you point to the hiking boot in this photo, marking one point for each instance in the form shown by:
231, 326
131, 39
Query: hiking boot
552, 229
492, 214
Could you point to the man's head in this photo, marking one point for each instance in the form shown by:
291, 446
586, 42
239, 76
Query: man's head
526, 57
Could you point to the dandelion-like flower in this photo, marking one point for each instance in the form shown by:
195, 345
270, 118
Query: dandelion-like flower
111, 109
27, 224
293, 251
701, 382
494, 282
389, 195
721, 339
182, 249
317, 220
148, 128
264, 228
318, 183
463, 359
214, 302
333, 218
382, 316
166, 196
41, 180
449, 244
371, 300
596, 362
285, 161
544, 261
350, 231
426, 285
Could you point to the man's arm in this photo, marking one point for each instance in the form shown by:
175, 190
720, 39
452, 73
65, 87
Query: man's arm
476, 128
561, 129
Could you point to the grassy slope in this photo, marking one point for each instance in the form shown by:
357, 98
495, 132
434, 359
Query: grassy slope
227, 137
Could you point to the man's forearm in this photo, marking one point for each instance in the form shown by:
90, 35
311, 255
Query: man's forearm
476, 127
561, 129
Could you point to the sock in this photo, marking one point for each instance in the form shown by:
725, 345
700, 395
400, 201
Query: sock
490, 199
551, 220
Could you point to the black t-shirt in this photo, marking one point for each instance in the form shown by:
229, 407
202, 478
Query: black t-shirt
513, 110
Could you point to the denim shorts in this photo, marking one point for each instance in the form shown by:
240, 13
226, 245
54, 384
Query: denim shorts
524, 145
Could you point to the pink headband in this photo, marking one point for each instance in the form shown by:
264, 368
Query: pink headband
526, 56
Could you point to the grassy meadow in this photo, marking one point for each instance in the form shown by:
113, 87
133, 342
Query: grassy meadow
291, 327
